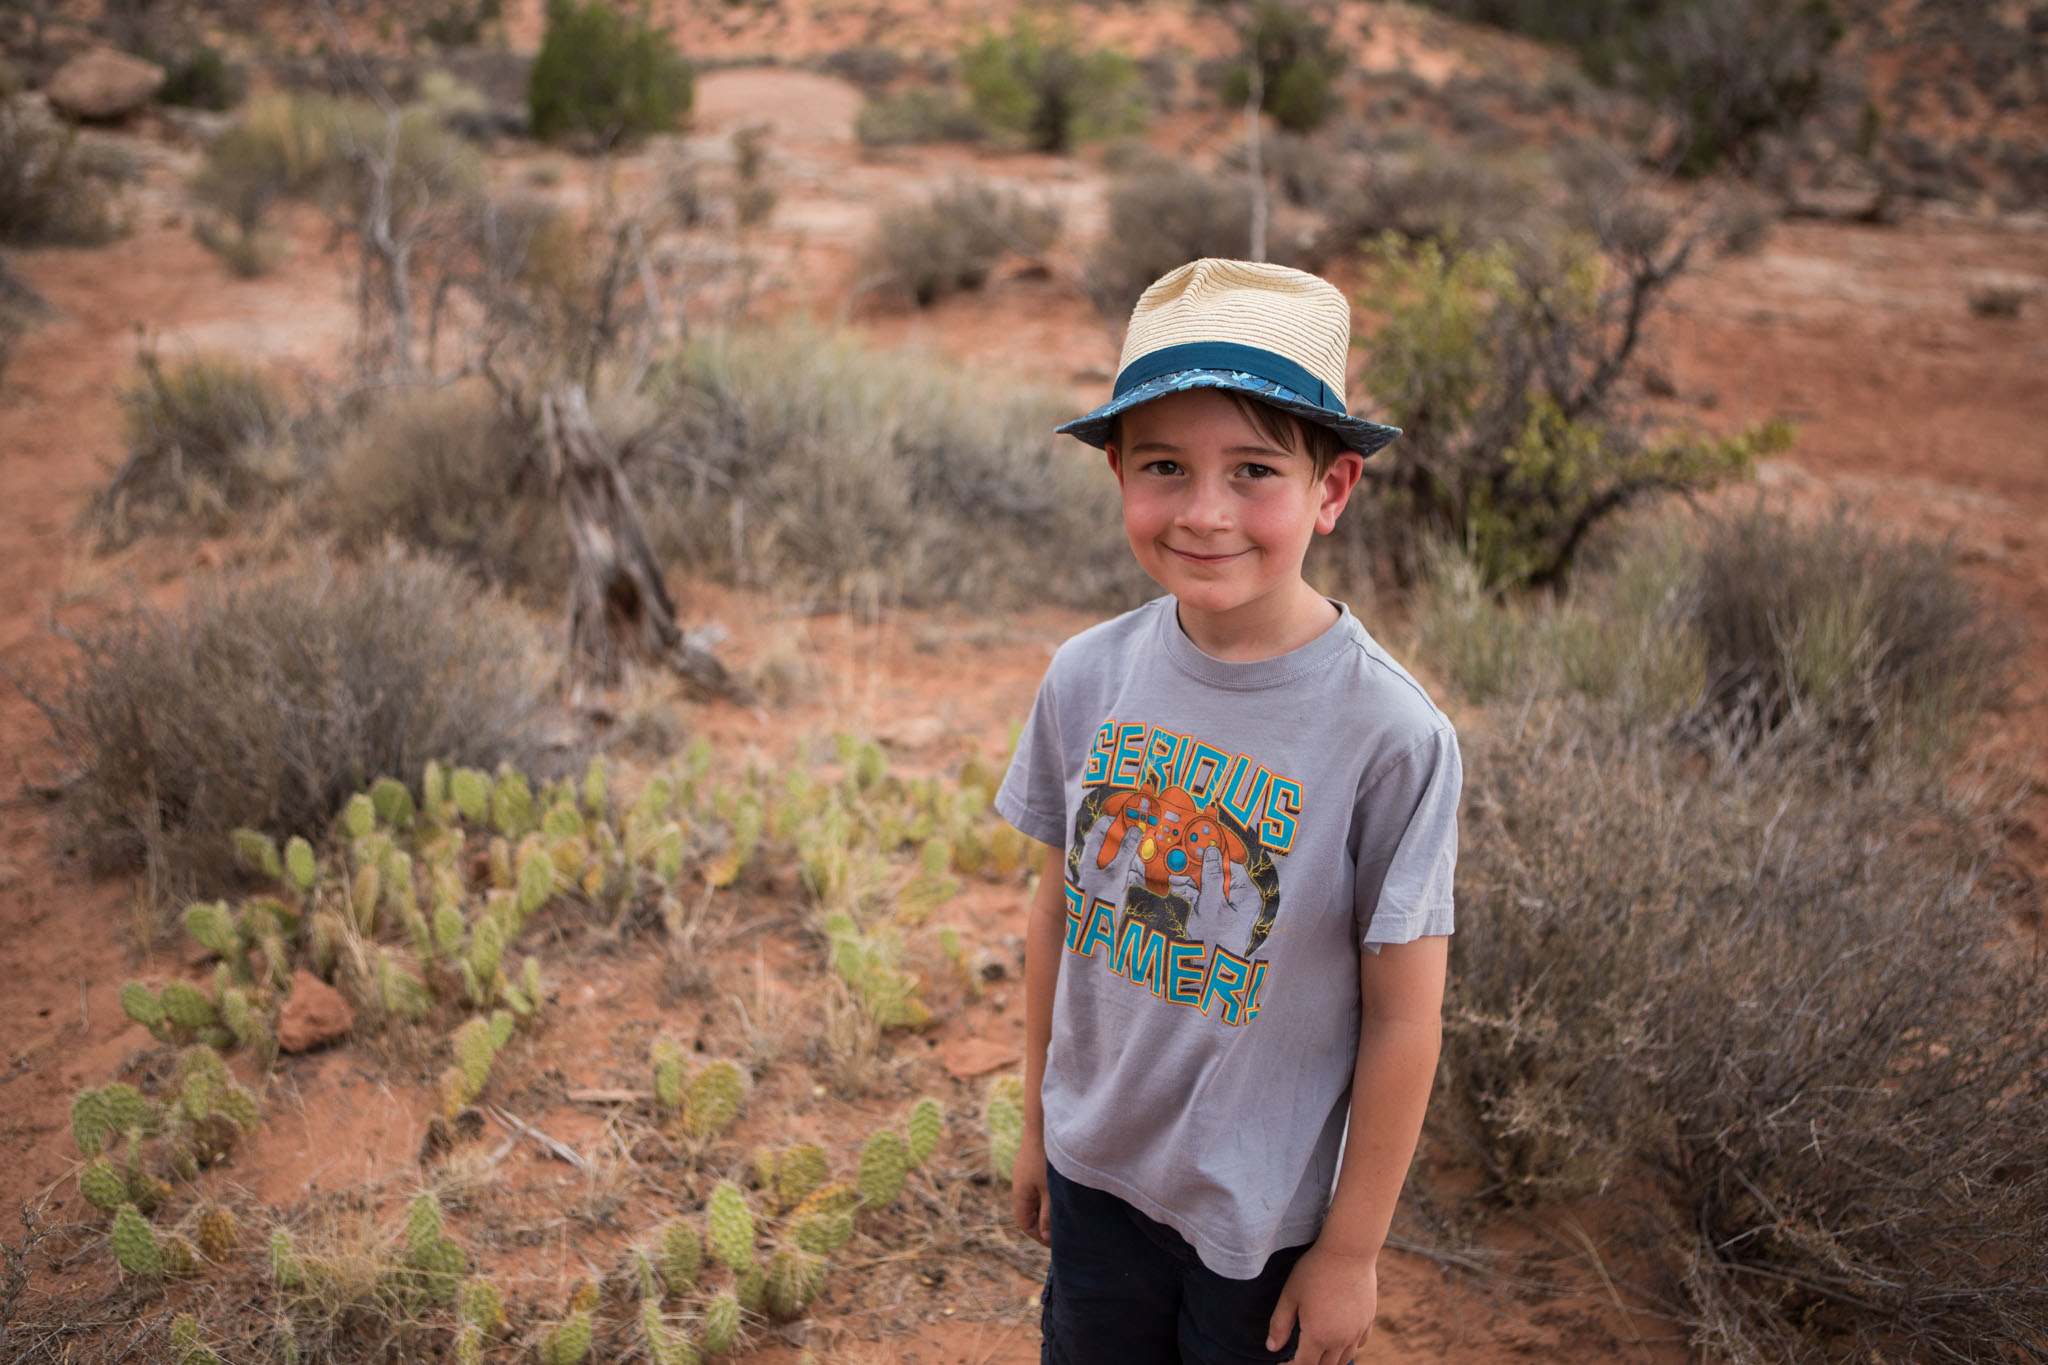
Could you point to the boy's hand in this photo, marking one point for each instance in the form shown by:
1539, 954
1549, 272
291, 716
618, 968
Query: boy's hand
1028, 1199
1334, 1295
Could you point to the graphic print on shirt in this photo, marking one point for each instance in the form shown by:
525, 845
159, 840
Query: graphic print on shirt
1178, 841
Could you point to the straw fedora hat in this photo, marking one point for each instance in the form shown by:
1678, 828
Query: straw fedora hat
1269, 332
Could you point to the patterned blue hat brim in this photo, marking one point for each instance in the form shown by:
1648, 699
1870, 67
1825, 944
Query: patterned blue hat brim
1355, 432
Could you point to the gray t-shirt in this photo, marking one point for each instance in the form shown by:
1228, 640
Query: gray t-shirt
1235, 833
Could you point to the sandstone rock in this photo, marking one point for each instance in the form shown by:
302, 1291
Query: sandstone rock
314, 1015
966, 1058
103, 83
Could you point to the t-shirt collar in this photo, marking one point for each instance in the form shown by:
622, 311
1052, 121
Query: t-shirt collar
1255, 674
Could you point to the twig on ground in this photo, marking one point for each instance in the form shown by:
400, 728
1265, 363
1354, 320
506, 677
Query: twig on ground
560, 1150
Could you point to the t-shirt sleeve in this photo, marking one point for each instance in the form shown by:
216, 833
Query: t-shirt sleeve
1033, 796
1406, 826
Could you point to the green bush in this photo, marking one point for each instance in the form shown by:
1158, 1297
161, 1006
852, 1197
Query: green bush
267, 703
53, 191
1043, 89
1830, 631
207, 437
947, 243
1782, 1011
1161, 216
919, 114
202, 79
605, 76
816, 464
1297, 64
1500, 366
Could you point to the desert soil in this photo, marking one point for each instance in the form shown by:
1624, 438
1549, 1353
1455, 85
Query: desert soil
1909, 406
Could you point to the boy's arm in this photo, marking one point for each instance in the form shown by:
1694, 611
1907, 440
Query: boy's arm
1044, 935
1334, 1288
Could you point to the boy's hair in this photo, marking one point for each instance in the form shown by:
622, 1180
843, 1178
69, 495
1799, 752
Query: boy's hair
1320, 444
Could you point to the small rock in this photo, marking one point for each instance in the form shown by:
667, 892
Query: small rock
103, 83
314, 1015
966, 1058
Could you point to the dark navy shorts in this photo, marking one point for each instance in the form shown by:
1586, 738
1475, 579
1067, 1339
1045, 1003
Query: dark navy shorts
1125, 1290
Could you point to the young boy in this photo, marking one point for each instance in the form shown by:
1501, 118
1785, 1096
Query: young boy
1239, 942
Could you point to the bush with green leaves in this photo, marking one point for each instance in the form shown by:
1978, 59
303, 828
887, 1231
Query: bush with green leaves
605, 75
1297, 63
1036, 84
264, 702
948, 242
202, 78
1501, 367
1162, 215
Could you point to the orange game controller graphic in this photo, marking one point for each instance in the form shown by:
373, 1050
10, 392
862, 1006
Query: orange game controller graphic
1174, 834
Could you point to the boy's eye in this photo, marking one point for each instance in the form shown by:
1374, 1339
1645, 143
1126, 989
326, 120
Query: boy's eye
1258, 471
1164, 468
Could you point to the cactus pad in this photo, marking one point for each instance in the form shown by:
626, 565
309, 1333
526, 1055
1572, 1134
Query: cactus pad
473, 1056
284, 1260
793, 1280
668, 1073
750, 1287
187, 1006
682, 1256
731, 1224
536, 879
135, 1245
422, 1226
471, 790
799, 1171
127, 1111
219, 1233
258, 853
180, 1257
392, 802
822, 1232
593, 789
469, 1344
884, 1161
139, 1003
512, 804
715, 1096
359, 816
363, 894
1005, 1124
102, 1185
722, 1324
90, 1123
441, 1268
299, 862
448, 929
569, 1343
480, 1303
664, 1346
926, 1126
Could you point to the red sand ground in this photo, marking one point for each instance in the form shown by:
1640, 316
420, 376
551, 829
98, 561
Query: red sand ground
1907, 403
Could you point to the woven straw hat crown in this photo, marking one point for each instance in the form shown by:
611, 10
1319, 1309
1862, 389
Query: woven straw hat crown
1248, 303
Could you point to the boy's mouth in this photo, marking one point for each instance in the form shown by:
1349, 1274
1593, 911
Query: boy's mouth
1194, 558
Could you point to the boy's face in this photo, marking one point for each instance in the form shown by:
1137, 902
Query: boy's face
1217, 514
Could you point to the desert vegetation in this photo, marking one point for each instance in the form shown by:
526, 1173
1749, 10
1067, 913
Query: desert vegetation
381, 677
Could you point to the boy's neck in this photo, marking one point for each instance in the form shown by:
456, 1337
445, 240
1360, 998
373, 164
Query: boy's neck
1264, 629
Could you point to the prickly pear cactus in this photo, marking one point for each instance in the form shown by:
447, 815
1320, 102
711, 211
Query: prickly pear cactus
135, 1245
536, 879
471, 790
139, 1003
480, 1303
392, 802
731, 1224
90, 1123
822, 1231
665, 1345
569, 1342
798, 1171
884, 1161
750, 1287
449, 928
1005, 1123
440, 1269
715, 1095
422, 1225
102, 1185
219, 1233
359, 816
722, 1324
258, 853
682, 1256
187, 1006
667, 1058
469, 1344
300, 864
926, 1126
363, 895
284, 1260
473, 1056
180, 1257
512, 813
793, 1277
594, 789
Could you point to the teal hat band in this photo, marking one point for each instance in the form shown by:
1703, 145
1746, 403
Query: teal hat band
1229, 355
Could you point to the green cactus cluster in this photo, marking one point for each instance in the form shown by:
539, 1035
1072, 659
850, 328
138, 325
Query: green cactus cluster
722, 1324
219, 1232
186, 1346
867, 962
568, 1341
731, 1225
700, 1105
435, 1261
200, 1122
477, 1044
141, 1250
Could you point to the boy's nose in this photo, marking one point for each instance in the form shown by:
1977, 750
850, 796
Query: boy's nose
1205, 509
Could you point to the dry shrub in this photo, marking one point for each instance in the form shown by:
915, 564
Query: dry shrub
207, 436
919, 114
1789, 1000
1830, 631
268, 702
1161, 216
446, 471
54, 191
949, 242
1429, 194
20, 308
813, 462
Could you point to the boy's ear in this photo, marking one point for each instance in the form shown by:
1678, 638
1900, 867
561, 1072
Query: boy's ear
1116, 462
1338, 482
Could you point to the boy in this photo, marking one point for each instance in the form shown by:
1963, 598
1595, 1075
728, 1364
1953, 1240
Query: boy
1251, 812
